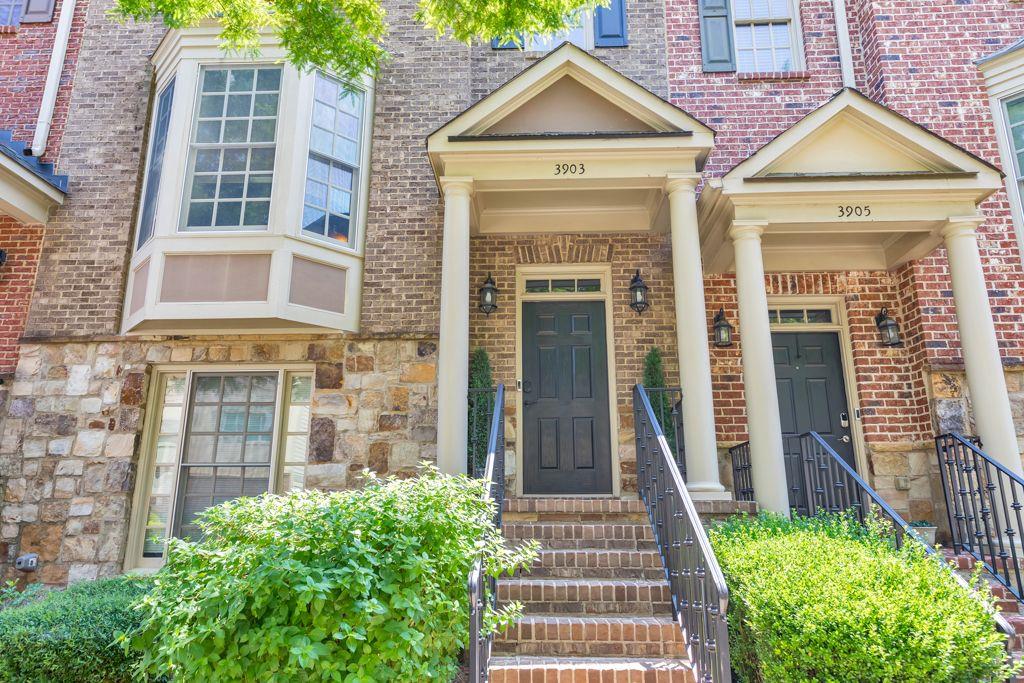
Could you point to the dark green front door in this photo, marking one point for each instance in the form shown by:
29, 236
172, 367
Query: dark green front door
812, 397
567, 441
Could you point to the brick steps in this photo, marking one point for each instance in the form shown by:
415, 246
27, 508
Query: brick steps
575, 535
573, 669
596, 603
593, 636
587, 596
600, 564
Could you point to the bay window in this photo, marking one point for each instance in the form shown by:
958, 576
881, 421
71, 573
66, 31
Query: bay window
214, 437
257, 176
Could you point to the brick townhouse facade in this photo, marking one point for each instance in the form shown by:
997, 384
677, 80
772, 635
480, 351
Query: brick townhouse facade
259, 279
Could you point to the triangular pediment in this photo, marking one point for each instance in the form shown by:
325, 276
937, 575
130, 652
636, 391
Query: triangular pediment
568, 106
852, 136
569, 92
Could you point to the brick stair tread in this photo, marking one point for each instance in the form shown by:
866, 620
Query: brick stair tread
596, 563
587, 596
582, 535
660, 628
574, 505
526, 669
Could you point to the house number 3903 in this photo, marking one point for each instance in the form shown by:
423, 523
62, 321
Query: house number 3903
851, 211
570, 169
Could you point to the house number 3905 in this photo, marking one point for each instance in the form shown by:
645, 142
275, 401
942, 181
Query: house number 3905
850, 211
570, 169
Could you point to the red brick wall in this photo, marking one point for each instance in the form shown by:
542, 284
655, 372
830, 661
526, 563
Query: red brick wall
24, 59
23, 243
917, 58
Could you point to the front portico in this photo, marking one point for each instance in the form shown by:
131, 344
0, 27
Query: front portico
853, 186
570, 146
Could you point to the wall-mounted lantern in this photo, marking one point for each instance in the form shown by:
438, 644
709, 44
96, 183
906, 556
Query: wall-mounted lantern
722, 329
888, 329
488, 296
638, 294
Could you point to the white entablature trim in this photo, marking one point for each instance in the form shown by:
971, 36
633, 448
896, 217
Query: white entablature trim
851, 186
569, 144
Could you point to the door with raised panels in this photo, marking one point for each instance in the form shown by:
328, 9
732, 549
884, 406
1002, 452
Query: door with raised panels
566, 434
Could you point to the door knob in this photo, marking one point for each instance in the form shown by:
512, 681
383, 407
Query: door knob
845, 438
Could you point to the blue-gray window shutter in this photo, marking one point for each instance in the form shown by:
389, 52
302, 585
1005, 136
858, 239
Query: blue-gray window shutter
716, 37
610, 25
38, 11
508, 45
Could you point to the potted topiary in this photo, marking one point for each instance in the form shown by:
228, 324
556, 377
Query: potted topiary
925, 529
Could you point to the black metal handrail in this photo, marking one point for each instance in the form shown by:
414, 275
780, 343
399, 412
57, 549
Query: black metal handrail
742, 477
667, 403
983, 505
483, 588
481, 413
829, 485
700, 597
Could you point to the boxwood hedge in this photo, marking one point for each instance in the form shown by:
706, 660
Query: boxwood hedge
71, 635
825, 600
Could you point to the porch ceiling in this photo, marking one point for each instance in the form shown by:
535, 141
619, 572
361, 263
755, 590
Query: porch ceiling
852, 186
569, 144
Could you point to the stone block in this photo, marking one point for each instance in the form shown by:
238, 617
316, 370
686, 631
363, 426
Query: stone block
419, 373
81, 507
321, 439
89, 443
329, 376
392, 423
120, 446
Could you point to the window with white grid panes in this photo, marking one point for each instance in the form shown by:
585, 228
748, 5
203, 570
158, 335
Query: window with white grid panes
231, 158
765, 33
10, 12
332, 171
216, 437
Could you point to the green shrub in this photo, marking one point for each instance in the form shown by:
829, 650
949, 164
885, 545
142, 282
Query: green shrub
481, 406
362, 585
654, 378
70, 635
826, 600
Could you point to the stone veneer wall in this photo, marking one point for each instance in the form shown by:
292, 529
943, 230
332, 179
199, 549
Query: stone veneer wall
71, 438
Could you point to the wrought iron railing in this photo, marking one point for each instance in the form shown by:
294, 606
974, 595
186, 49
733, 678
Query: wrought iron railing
983, 504
700, 598
742, 478
667, 403
481, 412
482, 588
829, 485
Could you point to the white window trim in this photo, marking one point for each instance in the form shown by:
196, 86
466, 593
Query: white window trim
181, 55
134, 561
586, 23
1004, 80
796, 34
187, 172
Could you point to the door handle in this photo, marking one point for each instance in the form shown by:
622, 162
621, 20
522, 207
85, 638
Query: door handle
845, 438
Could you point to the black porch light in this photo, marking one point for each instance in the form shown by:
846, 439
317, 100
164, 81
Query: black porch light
888, 329
722, 329
638, 294
488, 296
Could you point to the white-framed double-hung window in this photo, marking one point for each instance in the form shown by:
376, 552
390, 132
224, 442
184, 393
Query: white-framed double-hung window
333, 167
767, 35
233, 144
214, 436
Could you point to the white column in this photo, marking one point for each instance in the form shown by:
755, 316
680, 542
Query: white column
453, 344
692, 340
991, 405
768, 467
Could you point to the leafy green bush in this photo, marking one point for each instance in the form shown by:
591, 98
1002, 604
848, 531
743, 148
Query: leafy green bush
826, 600
362, 585
70, 635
